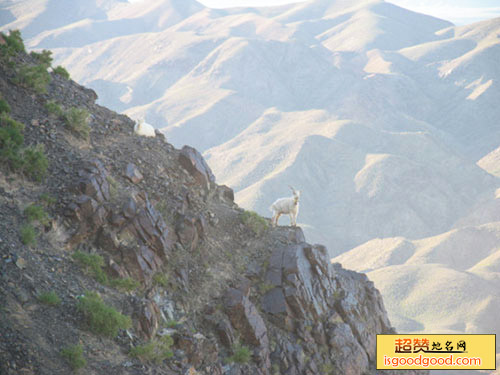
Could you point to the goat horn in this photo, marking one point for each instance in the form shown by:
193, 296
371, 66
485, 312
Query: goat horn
291, 187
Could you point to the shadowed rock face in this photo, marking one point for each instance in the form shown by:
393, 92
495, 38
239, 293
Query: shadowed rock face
245, 318
320, 304
136, 219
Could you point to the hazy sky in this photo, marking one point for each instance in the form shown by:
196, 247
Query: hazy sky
457, 11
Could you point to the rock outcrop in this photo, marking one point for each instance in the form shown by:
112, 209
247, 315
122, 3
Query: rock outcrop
194, 163
333, 313
134, 235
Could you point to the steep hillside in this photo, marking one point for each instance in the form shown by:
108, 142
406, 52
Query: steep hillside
121, 254
386, 119
382, 111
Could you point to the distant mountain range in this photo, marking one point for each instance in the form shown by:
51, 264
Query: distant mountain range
448, 282
386, 119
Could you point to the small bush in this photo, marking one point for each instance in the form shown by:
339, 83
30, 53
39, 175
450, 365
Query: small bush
327, 369
36, 213
128, 284
11, 142
28, 235
92, 263
4, 106
14, 43
43, 58
241, 354
61, 71
74, 356
114, 187
160, 279
154, 351
265, 287
76, 119
50, 298
101, 318
35, 77
47, 199
172, 323
29, 160
256, 223
53, 108
35, 163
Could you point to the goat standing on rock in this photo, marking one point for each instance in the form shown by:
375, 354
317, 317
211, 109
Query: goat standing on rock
289, 206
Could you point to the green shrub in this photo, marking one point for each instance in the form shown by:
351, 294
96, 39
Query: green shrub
128, 284
28, 235
256, 223
101, 318
92, 263
36, 77
76, 119
160, 279
4, 106
154, 351
50, 298
14, 43
114, 187
35, 163
61, 71
53, 108
47, 199
172, 323
327, 369
36, 213
241, 354
30, 160
43, 58
265, 287
74, 356
11, 142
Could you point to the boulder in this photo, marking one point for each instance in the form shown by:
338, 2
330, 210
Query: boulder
245, 318
197, 348
225, 194
147, 315
133, 173
225, 332
140, 262
190, 230
192, 161
93, 181
129, 208
115, 270
274, 302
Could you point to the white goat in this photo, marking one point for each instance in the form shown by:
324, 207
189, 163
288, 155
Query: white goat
289, 206
144, 129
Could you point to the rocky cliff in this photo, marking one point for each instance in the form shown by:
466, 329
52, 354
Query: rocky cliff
139, 263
